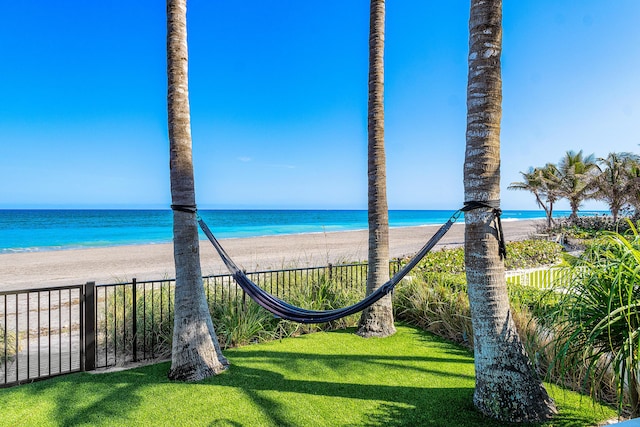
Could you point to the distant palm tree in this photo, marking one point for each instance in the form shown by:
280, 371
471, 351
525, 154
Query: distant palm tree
577, 176
507, 387
615, 184
195, 351
531, 181
543, 184
377, 320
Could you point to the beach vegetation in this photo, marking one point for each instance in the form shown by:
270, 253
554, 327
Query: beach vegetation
597, 319
589, 227
324, 379
152, 312
528, 253
240, 323
532, 253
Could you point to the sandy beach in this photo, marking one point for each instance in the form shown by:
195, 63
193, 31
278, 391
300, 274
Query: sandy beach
151, 262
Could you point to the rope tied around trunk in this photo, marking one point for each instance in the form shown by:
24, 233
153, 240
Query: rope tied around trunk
494, 205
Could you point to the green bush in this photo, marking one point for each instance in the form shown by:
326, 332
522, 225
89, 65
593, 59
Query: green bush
521, 254
323, 294
537, 301
241, 323
438, 308
449, 261
532, 253
597, 319
154, 319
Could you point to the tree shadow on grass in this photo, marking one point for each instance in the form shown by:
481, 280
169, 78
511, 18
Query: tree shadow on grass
385, 389
395, 405
93, 399
401, 405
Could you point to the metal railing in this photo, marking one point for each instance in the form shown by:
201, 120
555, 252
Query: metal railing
52, 331
41, 333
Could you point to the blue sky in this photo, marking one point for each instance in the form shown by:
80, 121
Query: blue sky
279, 95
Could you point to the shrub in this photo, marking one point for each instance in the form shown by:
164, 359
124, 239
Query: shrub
322, 294
449, 261
437, 308
241, 323
597, 319
521, 254
153, 320
532, 253
586, 227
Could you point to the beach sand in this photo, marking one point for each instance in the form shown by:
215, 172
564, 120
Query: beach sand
152, 262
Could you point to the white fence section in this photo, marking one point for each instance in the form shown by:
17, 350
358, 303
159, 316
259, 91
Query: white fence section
541, 278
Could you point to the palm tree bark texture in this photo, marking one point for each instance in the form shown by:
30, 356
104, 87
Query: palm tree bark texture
196, 353
377, 320
507, 387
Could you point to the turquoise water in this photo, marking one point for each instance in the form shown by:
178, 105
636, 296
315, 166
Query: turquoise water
43, 230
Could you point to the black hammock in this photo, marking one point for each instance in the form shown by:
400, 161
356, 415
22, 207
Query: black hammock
287, 311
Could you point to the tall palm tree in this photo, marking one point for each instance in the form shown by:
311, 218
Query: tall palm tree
615, 183
195, 352
577, 175
377, 320
507, 387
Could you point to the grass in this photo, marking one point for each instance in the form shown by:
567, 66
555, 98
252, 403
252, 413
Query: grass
322, 379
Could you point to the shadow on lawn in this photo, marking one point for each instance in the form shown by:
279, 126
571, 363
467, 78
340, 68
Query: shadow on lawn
396, 390
394, 405
401, 405
95, 399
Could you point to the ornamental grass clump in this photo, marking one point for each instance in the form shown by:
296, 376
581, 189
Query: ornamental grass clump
319, 294
152, 313
597, 319
436, 307
9, 347
240, 323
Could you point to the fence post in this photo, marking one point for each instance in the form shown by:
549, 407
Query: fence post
330, 272
134, 321
89, 327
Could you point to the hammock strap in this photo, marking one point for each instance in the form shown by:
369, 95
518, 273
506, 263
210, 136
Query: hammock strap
494, 205
185, 208
287, 311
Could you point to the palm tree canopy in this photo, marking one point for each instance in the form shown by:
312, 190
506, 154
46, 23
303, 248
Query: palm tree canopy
616, 182
576, 178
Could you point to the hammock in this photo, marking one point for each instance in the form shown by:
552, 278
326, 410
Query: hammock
287, 311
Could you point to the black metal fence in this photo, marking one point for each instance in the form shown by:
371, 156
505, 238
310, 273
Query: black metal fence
41, 333
53, 331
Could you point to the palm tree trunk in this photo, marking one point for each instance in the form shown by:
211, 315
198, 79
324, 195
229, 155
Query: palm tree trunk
506, 385
195, 353
377, 320
574, 204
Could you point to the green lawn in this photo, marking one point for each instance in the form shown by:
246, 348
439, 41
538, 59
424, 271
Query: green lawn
322, 379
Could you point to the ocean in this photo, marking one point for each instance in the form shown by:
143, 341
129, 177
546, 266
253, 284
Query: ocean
46, 230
